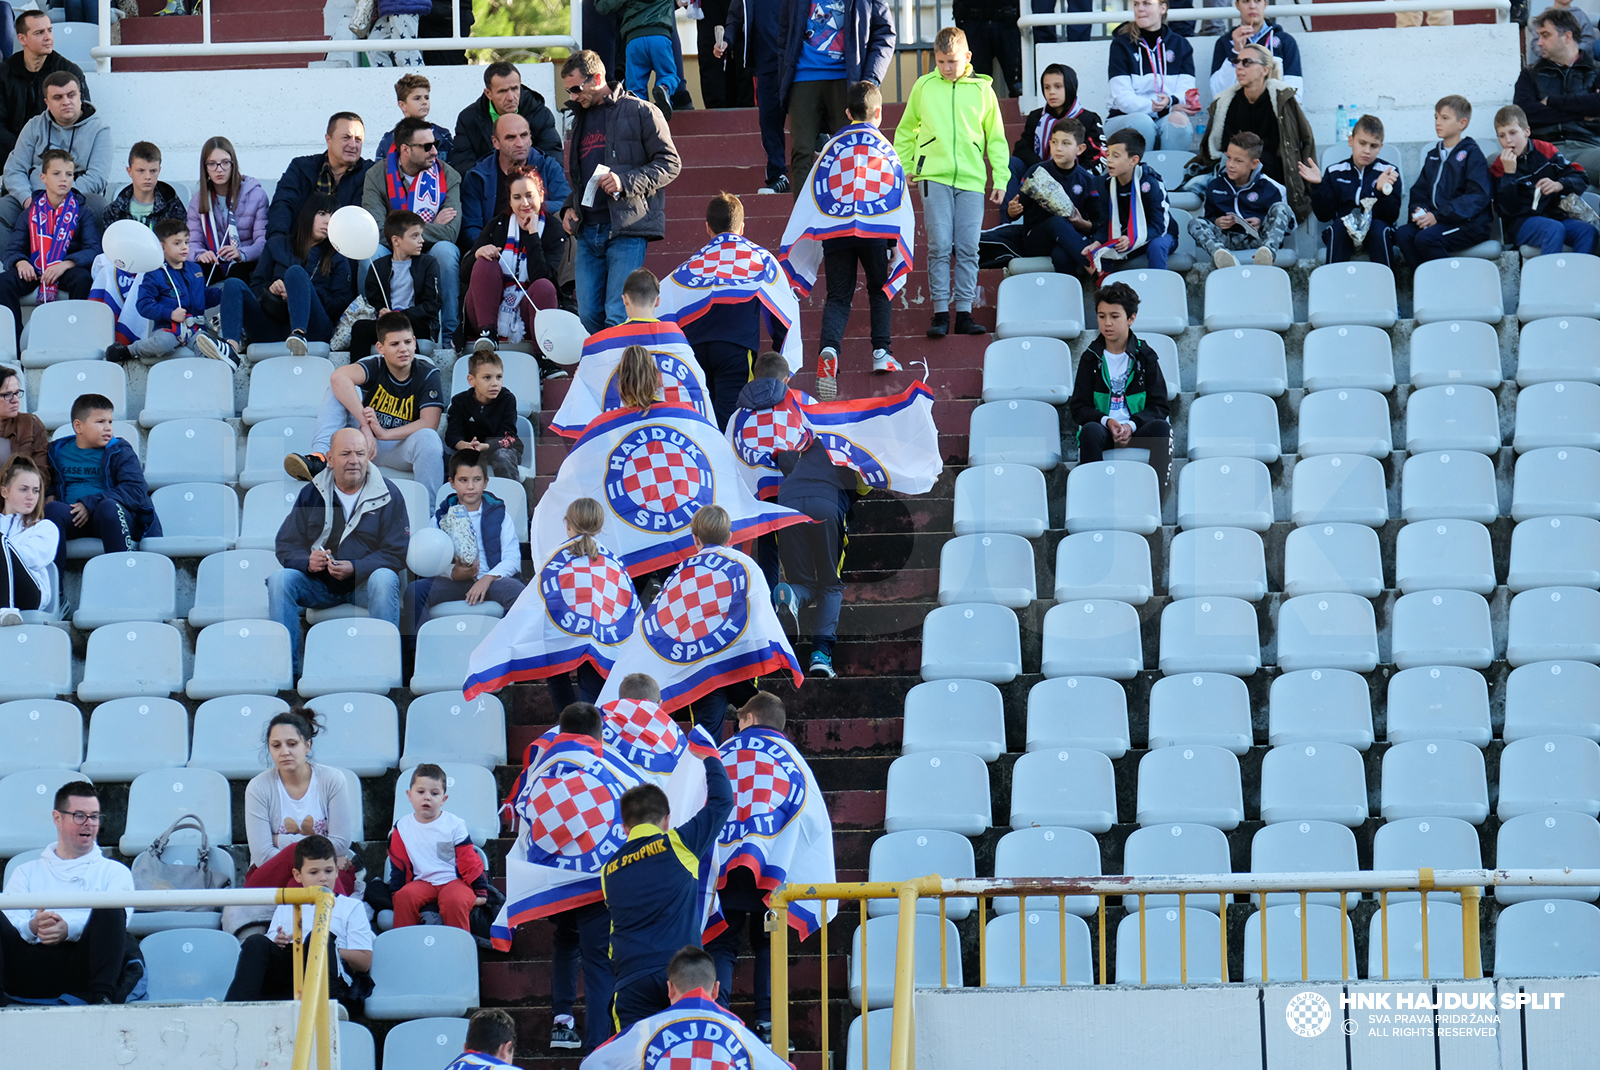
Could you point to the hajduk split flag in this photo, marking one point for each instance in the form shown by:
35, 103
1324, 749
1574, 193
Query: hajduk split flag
890, 442
568, 811
594, 385
856, 189
118, 290
711, 625
695, 1033
779, 828
652, 471
580, 610
732, 269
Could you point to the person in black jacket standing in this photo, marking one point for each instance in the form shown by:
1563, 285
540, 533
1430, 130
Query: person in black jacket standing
22, 87
503, 93
1119, 399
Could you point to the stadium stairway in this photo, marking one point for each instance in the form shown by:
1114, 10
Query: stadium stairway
231, 20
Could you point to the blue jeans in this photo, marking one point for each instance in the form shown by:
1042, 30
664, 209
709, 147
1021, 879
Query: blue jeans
1158, 249
289, 591
1550, 235
646, 54
448, 254
601, 266
1158, 133
242, 313
422, 451
83, 11
772, 115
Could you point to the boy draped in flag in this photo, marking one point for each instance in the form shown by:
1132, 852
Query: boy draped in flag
491, 1033
1135, 206
174, 298
854, 209
54, 242
413, 178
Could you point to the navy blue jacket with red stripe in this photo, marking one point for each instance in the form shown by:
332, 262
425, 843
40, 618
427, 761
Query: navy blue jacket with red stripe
1513, 192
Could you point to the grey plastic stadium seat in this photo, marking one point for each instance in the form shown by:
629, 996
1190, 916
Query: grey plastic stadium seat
1322, 960
1199, 784
1047, 852
1313, 782
1234, 425
423, 1043
126, 587
1064, 787
1548, 840
1554, 624
356, 1049
191, 451
188, 388
474, 798
1439, 702
1320, 705
1405, 940
1441, 628
938, 790
189, 965
196, 519
1225, 492
1166, 351
353, 654
229, 734
1556, 482
232, 586
1045, 304
1567, 284
965, 715
1094, 637
1341, 488
1113, 496
1211, 634
1217, 561
1430, 842
1345, 421
977, 641
1553, 697
62, 384
1435, 777
423, 969
1201, 936
1559, 349
1007, 498
1549, 773
1248, 296
241, 656
27, 798
1170, 164
362, 733
287, 388
35, 662
882, 937
1444, 553
1457, 287
1039, 369
871, 1052
1015, 432
445, 727
1104, 564
443, 646
1163, 297
1449, 484
1173, 848
1452, 418
130, 736
158, 798
1043, 933
41, 734
1332, 558
1555, 551
1203, 707
1329, 630
269, 441
265, 508
972, 568
134, 658
1242, 359
1547, 937
1348, 357
1557, 414
1078, 712
68, 331
1303, 847
899, 856
1353, 293
1455, 353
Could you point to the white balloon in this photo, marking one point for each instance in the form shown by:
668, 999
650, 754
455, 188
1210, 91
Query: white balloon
430, 552
354, 232
560, 335
132, 246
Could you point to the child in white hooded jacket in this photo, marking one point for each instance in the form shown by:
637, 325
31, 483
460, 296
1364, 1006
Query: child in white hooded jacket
27, 546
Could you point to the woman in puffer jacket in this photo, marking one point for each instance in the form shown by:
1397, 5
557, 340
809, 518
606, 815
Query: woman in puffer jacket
398, 19
227, 216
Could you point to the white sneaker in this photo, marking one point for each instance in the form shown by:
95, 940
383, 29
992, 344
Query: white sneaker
1263, 256
483, 344
1224, 259
828, 374
9, 617
883, 361
296, 345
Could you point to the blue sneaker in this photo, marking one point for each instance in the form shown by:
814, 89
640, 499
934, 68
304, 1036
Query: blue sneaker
822, 665
783, 597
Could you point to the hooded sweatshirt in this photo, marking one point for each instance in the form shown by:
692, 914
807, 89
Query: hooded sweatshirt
1033, 145
89, 141
809, 472
93, 872
947, 129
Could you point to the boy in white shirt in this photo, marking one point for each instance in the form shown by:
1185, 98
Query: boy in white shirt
431, 858
266, 963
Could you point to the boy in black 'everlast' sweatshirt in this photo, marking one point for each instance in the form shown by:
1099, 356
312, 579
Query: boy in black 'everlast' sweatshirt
1119, 398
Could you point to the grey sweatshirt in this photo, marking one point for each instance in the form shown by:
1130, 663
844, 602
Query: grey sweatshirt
89, 141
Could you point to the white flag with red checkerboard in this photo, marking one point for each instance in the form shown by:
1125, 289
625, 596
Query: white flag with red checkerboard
594, 387
732, 269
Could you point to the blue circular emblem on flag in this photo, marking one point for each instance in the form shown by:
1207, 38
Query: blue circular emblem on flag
769, 787
696, 1044
589, 597
658, 478
855, 177
731, 260
758, 433
573, 816
678, 384
850, 455
701, 611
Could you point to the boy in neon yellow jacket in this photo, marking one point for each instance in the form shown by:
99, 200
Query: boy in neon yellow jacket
952, 120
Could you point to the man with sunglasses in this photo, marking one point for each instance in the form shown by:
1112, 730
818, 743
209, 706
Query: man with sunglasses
412, 178
46, 954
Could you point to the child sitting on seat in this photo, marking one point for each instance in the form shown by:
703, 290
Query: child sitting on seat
1244, 208
431, 858
1537, 191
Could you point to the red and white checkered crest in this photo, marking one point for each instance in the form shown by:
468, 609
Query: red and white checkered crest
597, 589
571, 814
859, 173
660, 477
773, 429
694, 603
643, 724
760, 785
731, 260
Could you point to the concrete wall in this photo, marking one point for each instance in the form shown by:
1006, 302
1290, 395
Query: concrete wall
234, 1036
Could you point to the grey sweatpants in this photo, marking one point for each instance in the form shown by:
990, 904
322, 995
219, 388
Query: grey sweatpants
954, 218
157, 343
1278, 222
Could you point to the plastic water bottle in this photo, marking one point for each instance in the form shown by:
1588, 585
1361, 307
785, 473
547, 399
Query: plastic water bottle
1339, 133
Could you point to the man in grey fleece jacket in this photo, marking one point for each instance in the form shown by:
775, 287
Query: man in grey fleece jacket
66, 123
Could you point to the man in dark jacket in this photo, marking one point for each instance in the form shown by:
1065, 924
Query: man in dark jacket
22, 85
1558, 94
486, 189
622, 144
340, 172
755, 37
343, 541
1119, 399
827, 45
503, 94
992, 34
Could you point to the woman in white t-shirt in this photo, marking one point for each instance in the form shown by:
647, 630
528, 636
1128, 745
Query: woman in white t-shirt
293, 799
